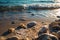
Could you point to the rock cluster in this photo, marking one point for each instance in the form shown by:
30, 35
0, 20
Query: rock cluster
54, 28
28, 32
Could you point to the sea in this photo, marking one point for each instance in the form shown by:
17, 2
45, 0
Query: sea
46, 15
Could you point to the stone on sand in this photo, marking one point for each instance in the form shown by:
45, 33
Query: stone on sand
46, 36
12, 22
13, 38
32, 14
22, 25
42, 30
11, 30
31, 24
54, 26
58, 34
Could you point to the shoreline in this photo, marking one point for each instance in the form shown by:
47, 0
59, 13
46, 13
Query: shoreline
28, 7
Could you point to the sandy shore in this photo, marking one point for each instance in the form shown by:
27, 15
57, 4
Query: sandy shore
6, 24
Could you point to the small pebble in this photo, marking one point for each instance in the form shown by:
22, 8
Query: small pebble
58, 16
12, 22
32, 14
22, 19
11, 30
47, 37
21, 26
28, 12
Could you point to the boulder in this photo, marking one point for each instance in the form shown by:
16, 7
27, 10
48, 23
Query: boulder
13, 38
31, 24
54, 28
21, 26
42, 30
46, 36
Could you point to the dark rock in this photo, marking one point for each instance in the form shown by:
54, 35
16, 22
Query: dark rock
43, 30
57, 20
59, 24
28, 12
53, 38
58, 32
58, 16
43, 37
47, 37
22, 19
10, 30
13, 38
22, 26
32, 14
12, 22
6, 33
55, 29
54, 26
31, 24
42, 22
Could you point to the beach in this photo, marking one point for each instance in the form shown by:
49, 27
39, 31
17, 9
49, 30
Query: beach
29, 20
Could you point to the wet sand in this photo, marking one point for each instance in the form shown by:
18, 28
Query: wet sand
13, 20
6, 24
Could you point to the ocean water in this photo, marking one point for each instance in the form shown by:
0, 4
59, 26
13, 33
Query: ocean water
38, 14
43, 15
19, 2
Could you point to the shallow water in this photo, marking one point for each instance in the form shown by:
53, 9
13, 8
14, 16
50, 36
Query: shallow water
19, 2
29, 14
46, 15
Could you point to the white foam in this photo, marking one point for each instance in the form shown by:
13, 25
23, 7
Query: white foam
48, 5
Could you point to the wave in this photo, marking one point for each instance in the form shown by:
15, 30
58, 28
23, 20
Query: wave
43, 5
16, 2
30, 6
